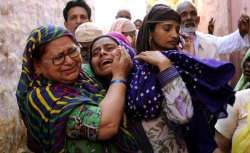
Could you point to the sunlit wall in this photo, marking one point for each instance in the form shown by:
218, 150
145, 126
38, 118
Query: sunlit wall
105, 11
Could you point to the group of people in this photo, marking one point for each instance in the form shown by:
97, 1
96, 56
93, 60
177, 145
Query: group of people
152, 90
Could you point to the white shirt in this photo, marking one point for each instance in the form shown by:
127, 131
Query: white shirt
209, 46
237, 116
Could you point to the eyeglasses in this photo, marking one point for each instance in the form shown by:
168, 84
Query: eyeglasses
73, 53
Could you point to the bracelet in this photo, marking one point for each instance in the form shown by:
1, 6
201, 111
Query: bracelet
118, 81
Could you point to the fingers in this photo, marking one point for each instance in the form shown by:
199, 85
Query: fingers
122, 63
151, 57
124, 57
244, 18
117, 54
244, 25
141, 57
124, 54
212, 20
143, 54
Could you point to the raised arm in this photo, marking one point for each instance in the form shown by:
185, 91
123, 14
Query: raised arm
102, 122
113, 103
234, 41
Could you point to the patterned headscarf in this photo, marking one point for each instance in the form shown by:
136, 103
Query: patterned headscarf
120, 37
45, 104
243, 83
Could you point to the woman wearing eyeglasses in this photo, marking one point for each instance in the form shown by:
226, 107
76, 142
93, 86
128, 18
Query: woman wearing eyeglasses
60, 106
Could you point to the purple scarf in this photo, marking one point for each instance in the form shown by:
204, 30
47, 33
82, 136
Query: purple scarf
207, 82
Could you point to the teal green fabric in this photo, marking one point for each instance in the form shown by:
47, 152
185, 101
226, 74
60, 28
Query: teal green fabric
82, 120
82, 117
87, 70
243, 83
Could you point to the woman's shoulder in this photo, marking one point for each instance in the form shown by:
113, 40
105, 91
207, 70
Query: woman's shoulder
241, 102
242, 97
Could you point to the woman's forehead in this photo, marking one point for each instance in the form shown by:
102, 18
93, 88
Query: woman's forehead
103, 41
59, 45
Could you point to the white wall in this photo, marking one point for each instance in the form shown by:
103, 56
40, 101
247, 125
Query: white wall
105, 10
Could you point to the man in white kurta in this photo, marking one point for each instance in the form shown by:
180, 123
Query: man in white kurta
210, 46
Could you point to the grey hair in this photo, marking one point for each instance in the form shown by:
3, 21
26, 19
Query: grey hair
184, 4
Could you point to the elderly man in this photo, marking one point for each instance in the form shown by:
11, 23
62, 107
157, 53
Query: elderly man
75, 13
123, 13
209, 46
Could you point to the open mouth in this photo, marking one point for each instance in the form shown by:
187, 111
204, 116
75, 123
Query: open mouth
189, 25
106, 62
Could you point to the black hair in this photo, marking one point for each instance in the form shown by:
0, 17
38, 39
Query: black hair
37, 56
142, 41
138, 20
39, 52
75, 3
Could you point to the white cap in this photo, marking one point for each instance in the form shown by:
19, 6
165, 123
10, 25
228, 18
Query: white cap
87, 32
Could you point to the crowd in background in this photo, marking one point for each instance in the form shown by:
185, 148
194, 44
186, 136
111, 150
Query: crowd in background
155, 85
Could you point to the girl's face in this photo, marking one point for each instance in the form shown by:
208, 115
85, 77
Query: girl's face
165, 35
102, 54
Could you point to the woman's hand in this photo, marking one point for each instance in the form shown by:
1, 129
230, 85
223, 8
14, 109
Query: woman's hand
122, 64
113, 103
155, 58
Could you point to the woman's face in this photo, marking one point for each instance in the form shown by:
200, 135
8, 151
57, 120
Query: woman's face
165, 35
246, 69
61, 61
102, 54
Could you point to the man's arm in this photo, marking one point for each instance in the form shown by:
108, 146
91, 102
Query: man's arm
234, 41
